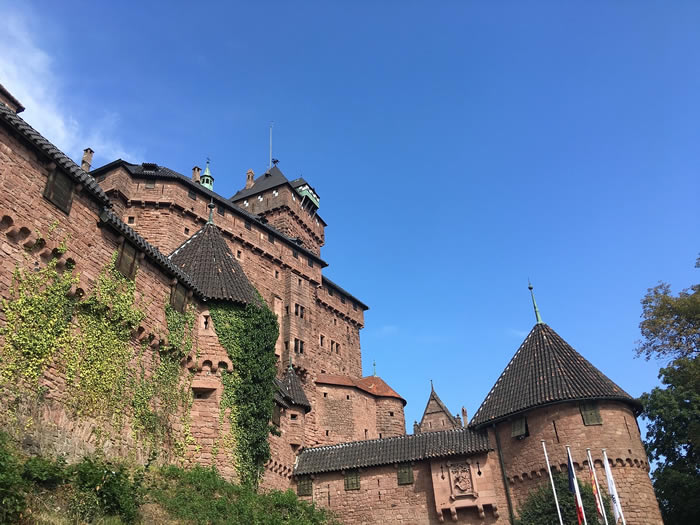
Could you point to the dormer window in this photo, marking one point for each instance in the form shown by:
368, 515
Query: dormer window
150, 184
59, 190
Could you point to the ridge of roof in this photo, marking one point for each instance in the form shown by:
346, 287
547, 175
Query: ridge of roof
327, 281
373, 385
545, 370
386, 451
207, 259
61, 159
162, 172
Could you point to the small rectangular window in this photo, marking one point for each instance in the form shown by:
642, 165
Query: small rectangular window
192, 195
301, 312
330, 292
405, 474
59, 190
301, 347
126, 260
519, 428
150, 184
590, 414
221, 210
310, 262
296, 345
352, 480
322, 339
131, 220
270, 238
342, 299
296, 309
178, 297
354, 305
304, 486
248, 226
295, 254
293, 417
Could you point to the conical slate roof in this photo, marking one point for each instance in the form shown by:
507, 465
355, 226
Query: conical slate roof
291, 389
545, 370
207, 259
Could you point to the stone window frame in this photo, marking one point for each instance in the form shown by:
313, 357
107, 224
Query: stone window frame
127, 260
590, 413
59, 190
351, 479
305, 486
150, 184
404, 474
192, 195
221, 210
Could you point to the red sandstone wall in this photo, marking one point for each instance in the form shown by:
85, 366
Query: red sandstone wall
382, 500
619, 434
435, 419
390, 417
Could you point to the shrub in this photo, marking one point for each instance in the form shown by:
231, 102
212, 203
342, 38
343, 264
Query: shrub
12, 486
45, 471
111, 484
539, 507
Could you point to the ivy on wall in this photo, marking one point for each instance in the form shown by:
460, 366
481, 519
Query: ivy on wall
248, 334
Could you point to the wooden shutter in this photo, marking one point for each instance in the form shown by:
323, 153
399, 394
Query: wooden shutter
59, 190
126, 262
519, 428
405, 474
178, 297
591, 414
304, 486
352, 480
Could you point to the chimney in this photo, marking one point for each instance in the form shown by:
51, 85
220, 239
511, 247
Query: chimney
87, 160
195, 173
464, 416
250, 174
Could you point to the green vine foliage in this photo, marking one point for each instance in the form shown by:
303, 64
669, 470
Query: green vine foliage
37, 320
97, 361
248, 334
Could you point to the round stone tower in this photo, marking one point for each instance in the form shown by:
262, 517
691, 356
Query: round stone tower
549, 393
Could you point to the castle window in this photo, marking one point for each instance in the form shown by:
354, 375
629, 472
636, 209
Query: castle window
337, 348
221, 210
293, 417
298, 346
590, 414
295, 254
519, 428
286, 309
332, 345
325, 394
248, 226
187, 231
330, 292
178, 298
404, 474
391, 414
206, 322
131, 220
342, 299
310, 262
354, 306
126, 260
322, 339
352, 480
276, 415
304, 486
59, 190
270, 238
238, 254
192, 195
150, 184
296, 309
286, 345
277, 274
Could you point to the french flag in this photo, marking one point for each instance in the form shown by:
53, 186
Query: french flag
573, 487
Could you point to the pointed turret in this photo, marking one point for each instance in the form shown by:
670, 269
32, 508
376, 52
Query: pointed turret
207, 180
545, 370
436, 415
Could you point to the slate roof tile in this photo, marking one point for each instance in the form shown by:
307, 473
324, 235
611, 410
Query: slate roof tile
386, 451
545, 370
207, 259
293, 390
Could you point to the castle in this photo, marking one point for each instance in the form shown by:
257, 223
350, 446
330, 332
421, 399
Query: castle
341, 439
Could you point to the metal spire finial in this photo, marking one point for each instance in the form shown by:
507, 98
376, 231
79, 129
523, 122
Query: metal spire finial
534, 303
431, 386
374, 368
211, 207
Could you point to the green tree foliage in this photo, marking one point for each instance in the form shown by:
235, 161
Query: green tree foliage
539, 508
671, 329
248, 334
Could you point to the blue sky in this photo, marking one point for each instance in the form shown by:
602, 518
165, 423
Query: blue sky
458, 148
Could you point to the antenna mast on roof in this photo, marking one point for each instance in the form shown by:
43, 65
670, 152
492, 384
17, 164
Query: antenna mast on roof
272, 123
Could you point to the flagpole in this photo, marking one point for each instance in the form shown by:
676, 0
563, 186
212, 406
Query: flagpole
579, 501
599, 494
551, 479
612, 490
